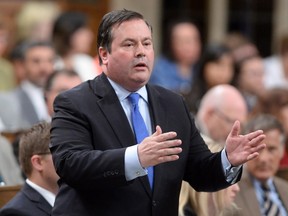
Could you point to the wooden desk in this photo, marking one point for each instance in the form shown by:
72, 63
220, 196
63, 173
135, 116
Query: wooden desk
7, 193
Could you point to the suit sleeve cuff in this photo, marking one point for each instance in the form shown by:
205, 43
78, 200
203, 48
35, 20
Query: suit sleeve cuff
231, 172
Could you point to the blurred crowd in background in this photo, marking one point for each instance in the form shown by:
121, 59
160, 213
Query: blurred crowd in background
51, 53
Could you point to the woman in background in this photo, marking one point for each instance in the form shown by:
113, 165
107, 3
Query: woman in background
215, 67
220, 203
72, 40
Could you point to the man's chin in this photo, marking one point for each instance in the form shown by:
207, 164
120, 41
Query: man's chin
264, 176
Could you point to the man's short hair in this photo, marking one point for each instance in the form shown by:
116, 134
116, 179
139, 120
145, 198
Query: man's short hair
34, 141
105, 37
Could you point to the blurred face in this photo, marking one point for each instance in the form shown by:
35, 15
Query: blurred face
186, 43
131, 59
251, 78
219, 72
266, 165
219, 121
81, 40
38, 64
61, 83
230, 194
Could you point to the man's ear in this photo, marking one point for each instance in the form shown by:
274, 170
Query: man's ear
103, 53
37, 162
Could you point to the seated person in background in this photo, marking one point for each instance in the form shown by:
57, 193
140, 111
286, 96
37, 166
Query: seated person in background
72, 39
249, 79
215, 68
275, 102
57, 82
218, 110
193, 203
259, 187
276, 66
174, 70
240, 45
25, 105
38, 193
10, 173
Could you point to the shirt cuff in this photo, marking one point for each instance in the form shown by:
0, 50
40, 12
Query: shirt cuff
231, 172
133, 168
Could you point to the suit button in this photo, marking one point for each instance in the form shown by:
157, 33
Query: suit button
154, 203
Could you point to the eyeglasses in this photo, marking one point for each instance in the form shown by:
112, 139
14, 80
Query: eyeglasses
225, 117
42, 153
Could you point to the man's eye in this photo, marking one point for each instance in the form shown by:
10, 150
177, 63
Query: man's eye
147, 43
129, 45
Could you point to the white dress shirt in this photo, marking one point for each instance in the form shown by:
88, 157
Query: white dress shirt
49, 196
133, 168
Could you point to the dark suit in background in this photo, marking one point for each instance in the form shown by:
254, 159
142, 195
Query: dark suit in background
27, 202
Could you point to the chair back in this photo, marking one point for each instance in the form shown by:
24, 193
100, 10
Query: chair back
7, 193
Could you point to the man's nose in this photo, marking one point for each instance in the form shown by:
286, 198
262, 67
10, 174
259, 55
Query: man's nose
140, 51
264, 155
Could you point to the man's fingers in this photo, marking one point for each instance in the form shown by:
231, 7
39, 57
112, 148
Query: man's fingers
256, 134
170, 151
252, 156
168, 158
158, 131
235, 129
164, 136
255, 151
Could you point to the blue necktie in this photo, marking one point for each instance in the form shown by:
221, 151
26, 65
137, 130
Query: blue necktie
139, 127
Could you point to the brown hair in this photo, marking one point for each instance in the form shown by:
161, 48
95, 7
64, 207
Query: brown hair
272, 102
35, 141
111, 19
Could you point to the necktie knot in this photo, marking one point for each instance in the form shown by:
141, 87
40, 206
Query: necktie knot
134, 99
265, 187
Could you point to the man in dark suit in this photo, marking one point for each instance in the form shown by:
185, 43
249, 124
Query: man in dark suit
37, 196
103, 169
261, 171
25, 105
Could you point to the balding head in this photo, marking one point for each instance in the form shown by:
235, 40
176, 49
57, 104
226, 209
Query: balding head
218, 110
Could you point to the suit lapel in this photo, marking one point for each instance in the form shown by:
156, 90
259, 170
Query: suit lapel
249, 196
158, 117
113, 111
109, 104
28, 110
35, 197
283, 192
115, 115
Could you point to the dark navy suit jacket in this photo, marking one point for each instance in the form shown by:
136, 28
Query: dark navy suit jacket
27, 202
89, 135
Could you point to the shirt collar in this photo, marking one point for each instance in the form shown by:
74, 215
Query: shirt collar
30, 87
48, 195
122, 93
269, 183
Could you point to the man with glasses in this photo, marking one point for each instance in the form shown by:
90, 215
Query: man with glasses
218, 110
37, 196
